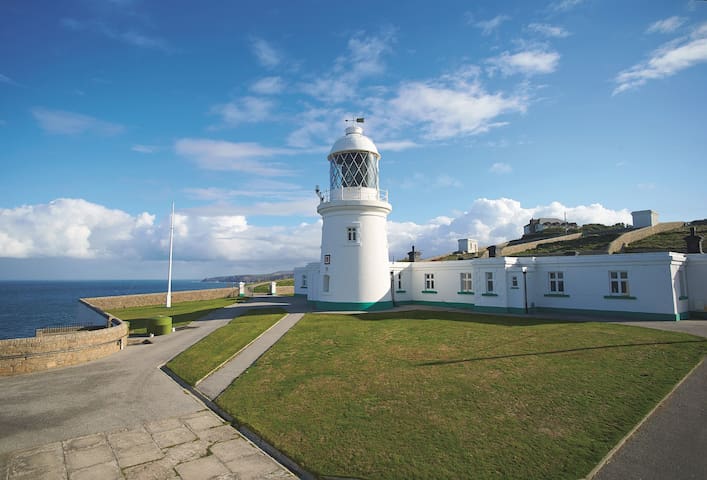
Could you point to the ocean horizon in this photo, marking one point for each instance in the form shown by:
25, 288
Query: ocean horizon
26, 305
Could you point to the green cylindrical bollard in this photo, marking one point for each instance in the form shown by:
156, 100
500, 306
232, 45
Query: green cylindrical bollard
161, 325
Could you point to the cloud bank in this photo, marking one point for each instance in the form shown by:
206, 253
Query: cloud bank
81, 230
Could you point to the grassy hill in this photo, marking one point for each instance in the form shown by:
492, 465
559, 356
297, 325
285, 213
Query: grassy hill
595, 240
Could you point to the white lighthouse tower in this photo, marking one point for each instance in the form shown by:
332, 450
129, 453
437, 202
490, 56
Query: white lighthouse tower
354, 269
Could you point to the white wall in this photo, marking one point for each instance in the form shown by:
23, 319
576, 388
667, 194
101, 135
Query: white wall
696, 273
653, 280
358, 271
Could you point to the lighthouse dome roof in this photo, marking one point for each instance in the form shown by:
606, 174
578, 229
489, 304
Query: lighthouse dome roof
354, 140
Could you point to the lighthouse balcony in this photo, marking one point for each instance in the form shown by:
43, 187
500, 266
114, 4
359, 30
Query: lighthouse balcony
353, 193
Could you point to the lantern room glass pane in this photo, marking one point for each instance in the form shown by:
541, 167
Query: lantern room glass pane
353, 169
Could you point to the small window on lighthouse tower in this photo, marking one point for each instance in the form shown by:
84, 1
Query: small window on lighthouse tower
352, 234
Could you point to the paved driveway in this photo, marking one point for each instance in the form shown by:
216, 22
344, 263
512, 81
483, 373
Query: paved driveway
122, 390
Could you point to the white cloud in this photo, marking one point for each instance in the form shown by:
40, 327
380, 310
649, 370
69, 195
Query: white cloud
669, 59
70, 123
396, 145
565, 5
530, 62
489, 26
77, 229
222, 155
667, 25
446, 181
548, 30
489, 221
129, 37
70, 228
268, 86
7, 80
244, 110
363, 59
265, 53
444, 109
144, 148
261, 187
500, 168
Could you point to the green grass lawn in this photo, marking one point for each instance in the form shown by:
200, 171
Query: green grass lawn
453, 395
201, 358
182, 313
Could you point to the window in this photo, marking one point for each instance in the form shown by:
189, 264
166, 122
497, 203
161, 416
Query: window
352, 234
489, 282
465, 282
400, 281
327, 259
556, 282
429, 281
514, 281
325, 283
618, 283
304, 281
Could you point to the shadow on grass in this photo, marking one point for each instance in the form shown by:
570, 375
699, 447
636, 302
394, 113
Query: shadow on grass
552, 352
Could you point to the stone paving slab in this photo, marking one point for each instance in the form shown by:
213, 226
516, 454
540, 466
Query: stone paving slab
194, 446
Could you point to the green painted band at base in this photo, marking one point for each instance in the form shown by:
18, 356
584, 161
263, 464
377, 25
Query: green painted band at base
373, 306
673, 317
347, 306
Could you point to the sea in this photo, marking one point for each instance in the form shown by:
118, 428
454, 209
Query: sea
28, 305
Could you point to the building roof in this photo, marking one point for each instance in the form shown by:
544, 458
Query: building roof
354, 140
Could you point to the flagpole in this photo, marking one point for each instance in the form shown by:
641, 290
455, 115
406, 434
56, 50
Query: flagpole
169, 271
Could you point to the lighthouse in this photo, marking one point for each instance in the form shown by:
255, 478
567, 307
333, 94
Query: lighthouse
354, 265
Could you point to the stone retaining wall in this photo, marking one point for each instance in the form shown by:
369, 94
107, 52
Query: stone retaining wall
148, 299
511, 250
26, 355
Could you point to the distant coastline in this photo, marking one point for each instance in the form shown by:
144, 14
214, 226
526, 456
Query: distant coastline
251, 278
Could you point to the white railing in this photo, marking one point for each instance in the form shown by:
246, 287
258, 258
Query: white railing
353, 193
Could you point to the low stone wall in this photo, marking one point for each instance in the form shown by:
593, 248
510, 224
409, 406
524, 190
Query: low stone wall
148, 299
511, 250
26, 355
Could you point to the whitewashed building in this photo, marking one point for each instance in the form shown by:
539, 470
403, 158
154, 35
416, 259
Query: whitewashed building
354, 272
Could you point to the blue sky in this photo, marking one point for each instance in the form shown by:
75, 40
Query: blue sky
486, 114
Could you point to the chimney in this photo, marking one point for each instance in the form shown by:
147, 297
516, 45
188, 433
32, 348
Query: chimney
413, 256
694, 242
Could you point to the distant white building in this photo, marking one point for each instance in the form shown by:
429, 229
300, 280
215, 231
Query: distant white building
468, 245
537, 225
644, 218
354, 272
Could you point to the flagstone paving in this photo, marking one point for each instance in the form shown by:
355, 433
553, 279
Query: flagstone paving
195, 446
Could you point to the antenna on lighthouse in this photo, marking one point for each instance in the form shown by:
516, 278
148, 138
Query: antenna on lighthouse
169, 271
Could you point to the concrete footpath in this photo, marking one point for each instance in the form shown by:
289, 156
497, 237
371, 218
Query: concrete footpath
218, 381
75, 412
